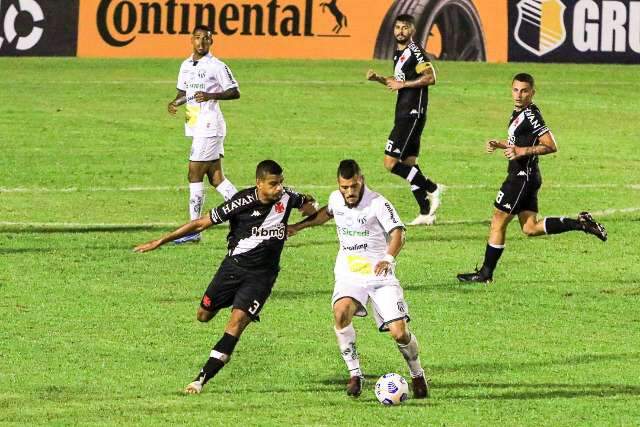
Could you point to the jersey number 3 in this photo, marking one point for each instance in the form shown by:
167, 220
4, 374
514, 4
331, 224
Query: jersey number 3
254, 308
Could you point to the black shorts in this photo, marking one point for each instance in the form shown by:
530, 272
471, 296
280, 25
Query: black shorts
404, 140
518, 194
238, 287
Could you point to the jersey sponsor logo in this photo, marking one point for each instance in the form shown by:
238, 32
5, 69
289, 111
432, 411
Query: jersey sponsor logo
202, 73
255, 213
532, 119
277, 231
507, 205
237, 203
345, 231
359, 265
417, 52
357, 247
392, 215
540, 25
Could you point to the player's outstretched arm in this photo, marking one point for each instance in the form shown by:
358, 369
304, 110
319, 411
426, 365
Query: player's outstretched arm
231, 93
494, 144
396, 241
374, 77
318, 218
195, 226
181, 98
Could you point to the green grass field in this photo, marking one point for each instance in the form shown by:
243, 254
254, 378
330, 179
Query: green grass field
94, 334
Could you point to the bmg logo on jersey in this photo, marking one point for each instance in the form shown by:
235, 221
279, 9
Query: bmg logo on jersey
38, 27
278, 231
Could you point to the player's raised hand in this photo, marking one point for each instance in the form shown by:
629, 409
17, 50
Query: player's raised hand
149, 246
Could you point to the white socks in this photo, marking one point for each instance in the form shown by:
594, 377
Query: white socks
226, 189
410, 352
196, 199
196, 196
347, 343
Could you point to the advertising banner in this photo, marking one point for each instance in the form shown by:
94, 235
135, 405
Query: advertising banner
464, 30
574, 31
314, 29
38, 27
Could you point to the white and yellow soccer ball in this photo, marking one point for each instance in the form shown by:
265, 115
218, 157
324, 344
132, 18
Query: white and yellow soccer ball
392, 389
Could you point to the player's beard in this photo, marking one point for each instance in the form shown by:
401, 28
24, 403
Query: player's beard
354, 204
401, 40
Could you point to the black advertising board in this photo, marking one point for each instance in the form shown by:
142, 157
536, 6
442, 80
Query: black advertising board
605, 31
38, 27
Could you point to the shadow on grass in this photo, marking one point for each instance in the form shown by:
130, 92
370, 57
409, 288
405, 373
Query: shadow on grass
492, 367
507, 391
90, 229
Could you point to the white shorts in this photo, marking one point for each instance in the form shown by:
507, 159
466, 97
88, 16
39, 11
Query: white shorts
387, 299
206, 149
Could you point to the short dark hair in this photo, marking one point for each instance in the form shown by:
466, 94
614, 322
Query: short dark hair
406, 18
267, 167
525, 78
201, 28
348, 169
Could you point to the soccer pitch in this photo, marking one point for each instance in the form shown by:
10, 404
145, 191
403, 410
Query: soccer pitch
95, 334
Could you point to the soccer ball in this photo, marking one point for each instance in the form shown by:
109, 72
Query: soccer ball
392, 389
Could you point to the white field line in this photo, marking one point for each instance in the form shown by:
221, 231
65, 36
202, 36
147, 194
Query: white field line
135, 189
80, 225
297, 82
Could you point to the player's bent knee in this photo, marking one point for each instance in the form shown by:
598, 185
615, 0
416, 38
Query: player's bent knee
203, 315
342, 319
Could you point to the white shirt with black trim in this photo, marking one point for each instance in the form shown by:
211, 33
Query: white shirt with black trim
363, 232
210, 75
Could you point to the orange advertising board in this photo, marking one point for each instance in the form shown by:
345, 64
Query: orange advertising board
313, 29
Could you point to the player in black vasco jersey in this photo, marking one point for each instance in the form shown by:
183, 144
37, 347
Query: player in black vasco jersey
529, 137
413, 74
258, 219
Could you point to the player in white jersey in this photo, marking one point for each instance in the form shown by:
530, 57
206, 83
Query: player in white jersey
202, 82
371, 235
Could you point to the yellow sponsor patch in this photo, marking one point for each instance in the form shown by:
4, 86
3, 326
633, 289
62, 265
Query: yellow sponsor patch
191, 114
358, 264
422, 67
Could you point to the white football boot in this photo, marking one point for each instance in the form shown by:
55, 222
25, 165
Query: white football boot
434, 199
424, 219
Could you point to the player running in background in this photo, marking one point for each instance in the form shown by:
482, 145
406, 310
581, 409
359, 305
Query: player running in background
258, 219
371, 235
413, 74
202, 82
528, 138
